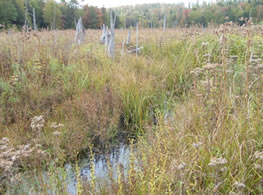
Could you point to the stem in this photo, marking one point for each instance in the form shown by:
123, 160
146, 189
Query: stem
248, 56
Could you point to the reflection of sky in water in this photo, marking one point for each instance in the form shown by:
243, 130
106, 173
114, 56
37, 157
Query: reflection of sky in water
117, 157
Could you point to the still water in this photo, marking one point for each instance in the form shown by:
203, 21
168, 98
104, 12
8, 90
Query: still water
113, 160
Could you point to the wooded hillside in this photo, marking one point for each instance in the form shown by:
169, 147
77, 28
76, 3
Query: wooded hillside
64, 15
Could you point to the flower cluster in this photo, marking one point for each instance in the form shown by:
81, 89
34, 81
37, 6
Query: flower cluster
11, 158
37, 123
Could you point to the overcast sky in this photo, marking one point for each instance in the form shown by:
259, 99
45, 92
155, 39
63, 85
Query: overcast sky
115, 3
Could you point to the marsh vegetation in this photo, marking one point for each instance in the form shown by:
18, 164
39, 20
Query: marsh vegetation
189, 105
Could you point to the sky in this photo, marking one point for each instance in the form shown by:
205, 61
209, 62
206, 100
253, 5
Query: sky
116, 3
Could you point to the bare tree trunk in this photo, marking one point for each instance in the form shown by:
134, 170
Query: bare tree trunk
34, 19
106, 38
103, 36
164, 22
80, 32
128, 38
111, 45
122, 47
137, 38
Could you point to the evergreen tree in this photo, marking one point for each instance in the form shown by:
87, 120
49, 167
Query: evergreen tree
8, 12
52, 14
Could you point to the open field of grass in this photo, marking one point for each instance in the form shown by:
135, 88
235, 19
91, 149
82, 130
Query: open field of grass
191, 101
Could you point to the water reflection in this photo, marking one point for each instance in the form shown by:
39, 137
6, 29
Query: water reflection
104, 164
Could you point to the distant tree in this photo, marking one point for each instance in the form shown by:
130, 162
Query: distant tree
259, 15
90, 18
122, 17
8, 12
131, 21
38, 5
100, 18
117, 22
171, 20
69, 13
106, 19
52, 14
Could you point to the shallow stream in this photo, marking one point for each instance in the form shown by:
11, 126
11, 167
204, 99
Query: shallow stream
106, 167
104, 164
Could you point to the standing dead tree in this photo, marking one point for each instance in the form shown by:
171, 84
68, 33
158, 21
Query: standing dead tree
128, 38
111, 44
122, 47
106, 38
80, 32
103, 36
137, 38
137, 49
34, 19
164, 22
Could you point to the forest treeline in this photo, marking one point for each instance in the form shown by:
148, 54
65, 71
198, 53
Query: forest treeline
64, 14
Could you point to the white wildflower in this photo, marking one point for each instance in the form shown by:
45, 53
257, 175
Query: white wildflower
259, 155
233, 193
217, 161
56, 125
197, 145
257, 166
4, 141
239, 185
259, 66
204, 43
223, 169
181, 166
210, 66
57, 133
37, 123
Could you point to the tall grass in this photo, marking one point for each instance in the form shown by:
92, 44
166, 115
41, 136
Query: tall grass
192, 100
